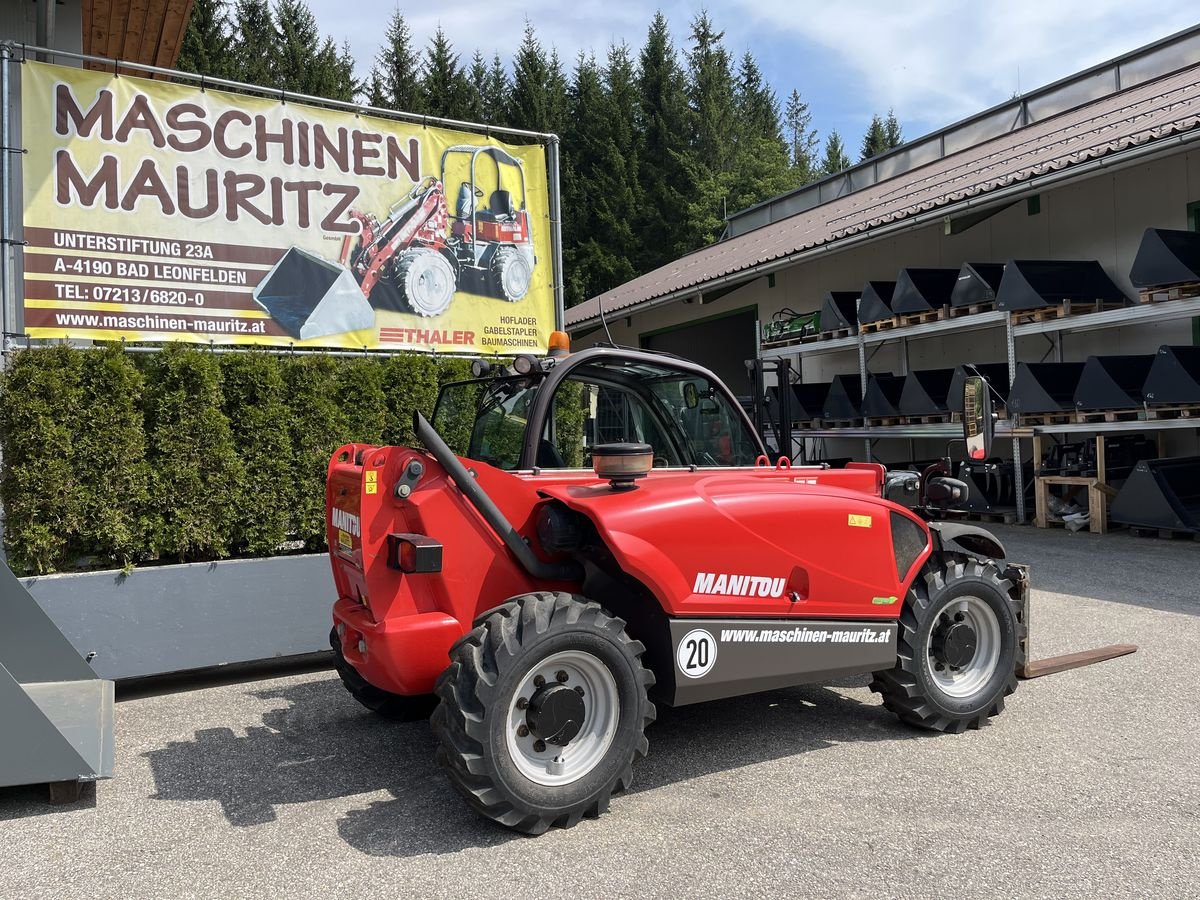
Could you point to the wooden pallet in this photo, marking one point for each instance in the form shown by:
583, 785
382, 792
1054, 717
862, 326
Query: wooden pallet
833, 335
1066, 417
1090, 416
883, 421
924, 317
1165, 533
882, 325
1064, 310
970, 310
1177, 292
1190, 411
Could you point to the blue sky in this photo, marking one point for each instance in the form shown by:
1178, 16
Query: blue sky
933, 61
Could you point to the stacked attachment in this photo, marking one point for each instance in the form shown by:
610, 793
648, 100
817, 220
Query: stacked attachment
876, 304
1039, 284
1174, 378
977, 284
1161, 493
1167, 258
882, 399
922, 290
844, 399
927, 393
839, 311
1044, 388
1112, 382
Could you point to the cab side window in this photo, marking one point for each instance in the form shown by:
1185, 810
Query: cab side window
604, 414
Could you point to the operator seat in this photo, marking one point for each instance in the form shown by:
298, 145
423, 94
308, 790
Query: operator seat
501, 204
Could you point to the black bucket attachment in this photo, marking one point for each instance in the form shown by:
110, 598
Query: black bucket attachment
920, 290
883, 396
926, 392
995, 374
844, 399
1161, 493
1174, 378
1044, 388
840, 310
876, 302
808, 401
1112, 382
1166, 257
311, 297
977, 283
1034, 284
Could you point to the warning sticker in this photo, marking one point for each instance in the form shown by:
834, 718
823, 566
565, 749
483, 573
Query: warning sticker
857, 521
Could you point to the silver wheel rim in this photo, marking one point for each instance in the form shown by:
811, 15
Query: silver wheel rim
555, 766
429, 284
970, 678
515, 276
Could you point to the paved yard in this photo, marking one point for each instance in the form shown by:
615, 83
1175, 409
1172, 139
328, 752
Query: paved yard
284, 787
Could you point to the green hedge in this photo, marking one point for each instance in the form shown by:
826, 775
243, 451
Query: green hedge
112, 458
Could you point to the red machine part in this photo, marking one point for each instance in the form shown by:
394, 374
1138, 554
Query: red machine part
772, 525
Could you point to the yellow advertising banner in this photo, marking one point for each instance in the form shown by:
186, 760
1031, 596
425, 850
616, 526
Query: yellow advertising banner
157, 211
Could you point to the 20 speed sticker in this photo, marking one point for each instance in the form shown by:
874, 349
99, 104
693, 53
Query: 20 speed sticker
697, 653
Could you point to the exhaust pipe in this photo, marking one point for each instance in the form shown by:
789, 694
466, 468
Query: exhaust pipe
559, 571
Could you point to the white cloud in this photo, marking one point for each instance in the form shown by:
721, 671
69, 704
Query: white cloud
936, 61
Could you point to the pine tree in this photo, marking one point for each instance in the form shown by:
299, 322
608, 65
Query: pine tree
835, 159
495, 91
537, 101
761, 165
394, 82
253, 43
891, 130
598, 184
803, 144
875, 140
444, 85
664, 132
305, 63
711, 96
206, 44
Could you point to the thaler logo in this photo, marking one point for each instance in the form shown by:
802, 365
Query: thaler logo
738, 585
345, 521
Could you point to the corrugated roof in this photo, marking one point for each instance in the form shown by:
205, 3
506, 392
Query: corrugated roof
1140, 115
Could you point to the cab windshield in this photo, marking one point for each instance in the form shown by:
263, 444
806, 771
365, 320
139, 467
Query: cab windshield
683, 416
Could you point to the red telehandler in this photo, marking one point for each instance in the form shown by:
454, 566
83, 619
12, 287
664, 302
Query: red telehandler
588, 534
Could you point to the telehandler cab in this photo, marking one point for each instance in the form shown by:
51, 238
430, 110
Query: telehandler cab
588, 534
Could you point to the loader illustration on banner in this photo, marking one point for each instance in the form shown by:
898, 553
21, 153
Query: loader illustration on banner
416, 259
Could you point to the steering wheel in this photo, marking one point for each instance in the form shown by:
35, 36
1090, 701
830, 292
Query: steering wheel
660, 462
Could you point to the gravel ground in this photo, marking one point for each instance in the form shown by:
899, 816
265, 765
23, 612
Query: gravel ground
284, 787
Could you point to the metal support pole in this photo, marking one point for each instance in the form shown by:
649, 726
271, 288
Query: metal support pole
783, 378
7, 294
45, 26
862, 375
1018, 470
556, 230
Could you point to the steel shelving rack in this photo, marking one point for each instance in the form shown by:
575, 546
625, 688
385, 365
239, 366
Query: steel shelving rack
1053, 329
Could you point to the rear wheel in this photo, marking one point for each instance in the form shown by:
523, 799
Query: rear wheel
425, 280
960, 644
542, 712
391, 706
512, 273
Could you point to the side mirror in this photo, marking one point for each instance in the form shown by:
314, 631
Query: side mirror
978, 423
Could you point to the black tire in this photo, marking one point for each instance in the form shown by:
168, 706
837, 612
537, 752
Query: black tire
511, 274
396, 707
477, 690
910, 690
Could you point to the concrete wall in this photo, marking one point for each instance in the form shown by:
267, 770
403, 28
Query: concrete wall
1102, 218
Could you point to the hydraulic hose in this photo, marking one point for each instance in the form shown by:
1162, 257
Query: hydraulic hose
559, 571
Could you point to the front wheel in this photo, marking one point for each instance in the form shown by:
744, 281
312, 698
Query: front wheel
960, 644
542, 712
426, 281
